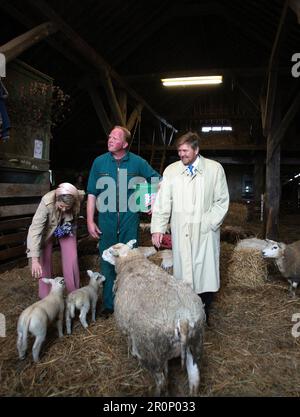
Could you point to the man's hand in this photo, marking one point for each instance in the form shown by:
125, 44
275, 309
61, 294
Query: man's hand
94, 230
36, 268
157, 239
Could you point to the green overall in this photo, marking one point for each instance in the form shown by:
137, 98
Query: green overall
113, 183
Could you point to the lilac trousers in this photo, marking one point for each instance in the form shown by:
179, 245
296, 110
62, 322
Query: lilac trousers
69, 260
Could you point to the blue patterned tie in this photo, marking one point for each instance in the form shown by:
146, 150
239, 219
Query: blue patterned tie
191, 169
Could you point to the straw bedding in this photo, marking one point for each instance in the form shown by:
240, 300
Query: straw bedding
249, 349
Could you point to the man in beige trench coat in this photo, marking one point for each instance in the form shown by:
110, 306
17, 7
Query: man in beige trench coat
194, 196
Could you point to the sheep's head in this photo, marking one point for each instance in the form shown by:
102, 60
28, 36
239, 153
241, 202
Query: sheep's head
96, 277
272, 250
56, 283
118, 250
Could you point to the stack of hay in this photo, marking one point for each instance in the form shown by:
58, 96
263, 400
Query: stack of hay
247, 268
237, 214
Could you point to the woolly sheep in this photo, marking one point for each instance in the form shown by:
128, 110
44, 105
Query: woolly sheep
166, 256
83, 299
287, 259
251, 243
36, 318
162, 317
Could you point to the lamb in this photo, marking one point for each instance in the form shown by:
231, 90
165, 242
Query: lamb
287, 259
83, 299
36, 318
162, 317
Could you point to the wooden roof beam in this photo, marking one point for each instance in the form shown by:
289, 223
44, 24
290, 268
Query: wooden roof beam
28, 22
268, 108
20, 44
91, 55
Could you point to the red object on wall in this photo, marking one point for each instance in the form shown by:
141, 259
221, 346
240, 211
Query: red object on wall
167, 241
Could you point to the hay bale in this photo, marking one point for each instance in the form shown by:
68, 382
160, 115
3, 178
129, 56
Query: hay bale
237, 214
247, 268
226, 251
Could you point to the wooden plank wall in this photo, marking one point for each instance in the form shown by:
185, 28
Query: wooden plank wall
15, 216
15, 219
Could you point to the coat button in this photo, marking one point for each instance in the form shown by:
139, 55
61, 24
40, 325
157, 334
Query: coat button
186, 235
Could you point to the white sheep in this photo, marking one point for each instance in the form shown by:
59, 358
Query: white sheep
287, 259
83, 299
166, 256
162, 317
36, 318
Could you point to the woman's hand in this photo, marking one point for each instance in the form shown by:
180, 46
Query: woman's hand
94, 230
36, 268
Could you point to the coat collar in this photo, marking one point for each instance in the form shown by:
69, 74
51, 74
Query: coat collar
199, 166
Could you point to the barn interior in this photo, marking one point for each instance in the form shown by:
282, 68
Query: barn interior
73, 71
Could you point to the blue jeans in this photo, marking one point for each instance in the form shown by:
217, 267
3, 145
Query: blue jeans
5, 118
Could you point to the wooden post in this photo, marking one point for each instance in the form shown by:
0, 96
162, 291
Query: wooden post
17, 46
259, 177
273, 185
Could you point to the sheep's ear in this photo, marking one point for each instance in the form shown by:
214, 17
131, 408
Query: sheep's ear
90, 273
131, 243
47, 280
102, 277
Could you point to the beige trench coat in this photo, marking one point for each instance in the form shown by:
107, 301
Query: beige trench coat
197, 206
44, 223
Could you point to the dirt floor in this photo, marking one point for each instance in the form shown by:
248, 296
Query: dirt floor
249, 348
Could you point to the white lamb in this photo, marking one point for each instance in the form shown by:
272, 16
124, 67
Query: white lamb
36, 318
82, 299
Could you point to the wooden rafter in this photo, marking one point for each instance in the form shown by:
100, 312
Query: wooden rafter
100, 110
29, 23
135, 115
91, 55
113, 101
18, 45
122, 100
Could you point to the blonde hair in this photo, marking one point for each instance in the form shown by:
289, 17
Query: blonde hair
189, 138
68, 194
126, 132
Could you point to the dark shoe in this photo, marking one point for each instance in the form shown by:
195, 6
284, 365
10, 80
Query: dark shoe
106, 313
